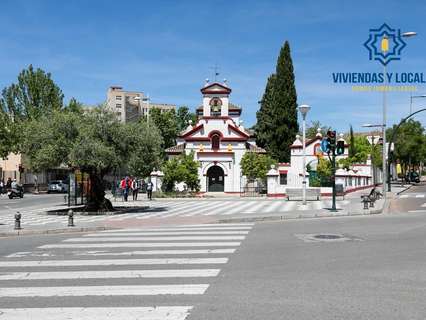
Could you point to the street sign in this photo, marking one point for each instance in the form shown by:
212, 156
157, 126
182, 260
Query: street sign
325, 146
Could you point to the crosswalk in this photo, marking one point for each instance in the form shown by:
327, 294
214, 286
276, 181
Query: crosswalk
412, 195
113, 267
174, 209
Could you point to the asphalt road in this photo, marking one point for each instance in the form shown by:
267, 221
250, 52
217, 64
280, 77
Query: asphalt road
413, 200
30, 202
375, 269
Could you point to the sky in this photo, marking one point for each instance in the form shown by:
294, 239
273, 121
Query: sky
168, 48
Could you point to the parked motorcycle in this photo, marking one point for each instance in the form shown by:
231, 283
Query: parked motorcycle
15, 193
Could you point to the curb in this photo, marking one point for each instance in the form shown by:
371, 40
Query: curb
300, 217
53, 231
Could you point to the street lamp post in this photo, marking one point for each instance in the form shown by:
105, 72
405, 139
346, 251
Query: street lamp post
304, 111
414, 97
384, 168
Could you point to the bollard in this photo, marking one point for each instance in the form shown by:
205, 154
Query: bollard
70, 218
18, 221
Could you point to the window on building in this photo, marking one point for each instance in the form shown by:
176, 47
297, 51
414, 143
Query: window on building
283, 178
118, 98
118, 105
215, 142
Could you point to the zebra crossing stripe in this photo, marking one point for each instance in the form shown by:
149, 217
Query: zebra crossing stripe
108, 274
78, 291
239, 208
140, 245
207, 209
176, 229
220, 209
165, 233
111, 262
273, 206
111, 313
153, 252
158, 238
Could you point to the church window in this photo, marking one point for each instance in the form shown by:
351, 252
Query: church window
215, 142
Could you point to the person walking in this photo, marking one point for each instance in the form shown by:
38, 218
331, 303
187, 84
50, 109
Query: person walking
149, 187
124, 188
1, 187
135, 189
9, 183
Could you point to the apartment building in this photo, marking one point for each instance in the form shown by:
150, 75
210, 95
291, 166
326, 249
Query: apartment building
132, 105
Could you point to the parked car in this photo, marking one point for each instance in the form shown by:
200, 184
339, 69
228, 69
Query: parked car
412, 177
57, 186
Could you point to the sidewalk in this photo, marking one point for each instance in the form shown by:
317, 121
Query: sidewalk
169, 211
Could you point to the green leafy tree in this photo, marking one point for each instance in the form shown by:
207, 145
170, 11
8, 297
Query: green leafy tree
166, 122
255, 165
409, 143
183, 117
181, 169
277, 127
144, 149
94, 142
74, 106
8, 134
312, 130
34, 95
324, 169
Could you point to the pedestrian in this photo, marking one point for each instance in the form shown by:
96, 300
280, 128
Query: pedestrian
123, 187
135, 189
9, 183
149, 187
1, 187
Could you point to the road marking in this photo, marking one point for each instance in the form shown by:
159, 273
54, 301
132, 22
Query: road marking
404, 196
140, 245
112, 262
416, 211
178, 238
78, 291
164, 233
111, 313
178, 229
126, 253
423, 205
420, 195
108, 274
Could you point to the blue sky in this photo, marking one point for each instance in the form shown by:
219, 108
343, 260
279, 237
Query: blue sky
167, 49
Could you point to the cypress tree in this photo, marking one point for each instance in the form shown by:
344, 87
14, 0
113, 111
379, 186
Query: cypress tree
278, 125
263, 127
352, 149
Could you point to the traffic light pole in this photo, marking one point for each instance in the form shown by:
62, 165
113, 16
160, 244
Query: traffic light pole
333, 168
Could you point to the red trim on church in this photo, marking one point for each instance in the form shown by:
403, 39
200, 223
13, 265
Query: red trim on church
215, 153
207, 89
195, 129
235, 129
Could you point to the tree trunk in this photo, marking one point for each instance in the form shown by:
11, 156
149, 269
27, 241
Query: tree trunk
96, 198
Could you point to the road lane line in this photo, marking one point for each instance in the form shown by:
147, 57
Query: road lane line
108, 274
110, 262
140, 245
79, 291
110, 313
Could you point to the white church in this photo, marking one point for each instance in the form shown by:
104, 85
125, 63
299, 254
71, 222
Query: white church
218, 141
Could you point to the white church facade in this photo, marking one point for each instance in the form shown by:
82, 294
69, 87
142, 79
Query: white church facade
218, 141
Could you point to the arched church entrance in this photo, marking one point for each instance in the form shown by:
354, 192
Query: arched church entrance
215, 179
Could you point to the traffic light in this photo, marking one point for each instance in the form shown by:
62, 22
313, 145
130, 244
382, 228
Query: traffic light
331, 137
340, 149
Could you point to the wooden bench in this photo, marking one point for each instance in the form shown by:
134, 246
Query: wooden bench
313, 194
